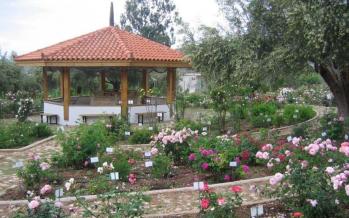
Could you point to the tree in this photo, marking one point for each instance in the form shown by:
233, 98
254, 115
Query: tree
289, 36
153, 19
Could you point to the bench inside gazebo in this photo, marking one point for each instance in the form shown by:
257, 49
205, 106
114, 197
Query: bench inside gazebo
103, 50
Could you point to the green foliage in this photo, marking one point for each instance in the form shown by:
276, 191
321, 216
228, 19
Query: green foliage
141, 136
116, 204
161, 166
297, 113
19, 134
185, 123
119, 126
333, 127
301, 131
46, 209
121, 165
33, 175
99, 184
83, 142
152, 19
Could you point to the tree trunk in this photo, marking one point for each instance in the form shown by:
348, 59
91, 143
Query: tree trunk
338, 83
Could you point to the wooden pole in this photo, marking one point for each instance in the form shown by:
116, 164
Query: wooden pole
124, 92
171, 77
45, 83
145, 79
66, 91
62, 82
103, 82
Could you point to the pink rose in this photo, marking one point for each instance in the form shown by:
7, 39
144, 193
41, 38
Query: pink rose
33, 204
132, 178
204, 166
46, 190
192, 157
205, 203
220, 201
154, 151
44, 166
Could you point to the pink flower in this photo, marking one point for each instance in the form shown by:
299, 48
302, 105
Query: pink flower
347, 190
304, 164
204, 166
205, 203
46, 190
44, 166
132, 178
245, 168
276, 179
58, 204
33, 204
344, 148
204, 152
236, 189
192, 157
220, 201
154, 151
329, 170
227, 178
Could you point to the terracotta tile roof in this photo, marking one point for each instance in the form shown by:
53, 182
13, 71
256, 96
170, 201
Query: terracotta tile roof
107, 44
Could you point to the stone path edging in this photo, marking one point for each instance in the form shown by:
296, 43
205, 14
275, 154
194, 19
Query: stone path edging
28, 146
155, 192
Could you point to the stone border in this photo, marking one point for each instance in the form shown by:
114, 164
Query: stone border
155, 192
28, 146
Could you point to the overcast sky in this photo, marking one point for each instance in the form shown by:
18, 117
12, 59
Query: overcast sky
27, 25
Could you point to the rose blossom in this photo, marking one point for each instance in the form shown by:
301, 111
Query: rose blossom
236, 188
154, 151
44, 166
205, 203
132, 178
312, 202
297, 214
33, 204
227, 178
347, 190
192, 157
329, 170
245, 168
45, 190
204, 166
220, 201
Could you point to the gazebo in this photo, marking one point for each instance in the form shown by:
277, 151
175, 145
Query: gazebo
105, 49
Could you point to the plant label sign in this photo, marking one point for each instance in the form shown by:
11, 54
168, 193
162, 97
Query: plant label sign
109, 150
204, 129
198, 185
120, 102
114, 176
257, 211
130, 101
59, 192
19, 164
159, 114
148, 164
127, 133
140, 124
233, 164
151, 128
94, 160
147, 154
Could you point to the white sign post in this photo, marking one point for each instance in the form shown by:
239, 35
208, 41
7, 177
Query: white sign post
257, 211
109, 150
19, 164
94, 160
114, 176
59, 193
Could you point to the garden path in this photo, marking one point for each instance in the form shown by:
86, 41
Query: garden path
8, 176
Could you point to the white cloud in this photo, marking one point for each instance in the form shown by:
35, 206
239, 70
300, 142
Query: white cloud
34, 24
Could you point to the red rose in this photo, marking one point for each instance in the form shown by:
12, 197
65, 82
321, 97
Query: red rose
297, 214
281, 157
236, 188
205, 203
245, 155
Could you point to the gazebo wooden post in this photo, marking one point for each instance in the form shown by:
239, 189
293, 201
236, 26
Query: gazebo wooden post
171, 85
45, 83
102, 81
66, 91
145, 81
61, 82
124, 92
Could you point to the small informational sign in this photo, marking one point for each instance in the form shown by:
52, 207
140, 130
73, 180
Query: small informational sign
114, 176
94, 160
323, 134
289, 138
19, 164
198, 185
147, 154
346, 137
127, 133
159, 114
257, 211
148, 164
148, 101
59, 192
109, 150
233, 164
204, 129
120, 102
130, 101
151, 128
140, 124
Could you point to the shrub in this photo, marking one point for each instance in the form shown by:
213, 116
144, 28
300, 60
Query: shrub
161, 166
47, 209
214, 204
25, 108
333, 127
312, 178
98, 184
41, 130
301, 131
35, 172
83, 142
261, 109
189, 124
296, 113
119, 126
141, 136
